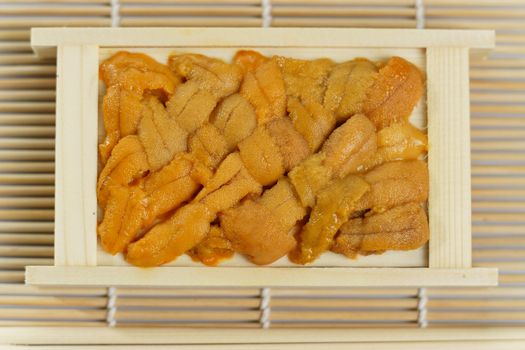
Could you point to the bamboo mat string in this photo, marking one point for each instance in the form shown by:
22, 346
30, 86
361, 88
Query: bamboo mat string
420, 14
265, 308
266, 13
111, 307
422, 308
115, 13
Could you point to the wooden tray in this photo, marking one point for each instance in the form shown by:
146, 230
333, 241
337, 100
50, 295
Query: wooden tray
446, 54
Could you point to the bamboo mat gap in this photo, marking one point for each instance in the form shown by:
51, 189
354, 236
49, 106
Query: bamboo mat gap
27, 93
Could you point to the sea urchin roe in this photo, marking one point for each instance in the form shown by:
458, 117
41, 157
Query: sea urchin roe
259, 157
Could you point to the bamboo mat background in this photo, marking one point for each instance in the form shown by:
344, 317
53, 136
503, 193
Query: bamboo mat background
27, 92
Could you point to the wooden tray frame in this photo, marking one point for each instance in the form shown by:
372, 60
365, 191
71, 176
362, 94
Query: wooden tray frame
447, 73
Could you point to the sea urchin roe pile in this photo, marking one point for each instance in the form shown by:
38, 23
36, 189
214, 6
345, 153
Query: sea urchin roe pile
263, 157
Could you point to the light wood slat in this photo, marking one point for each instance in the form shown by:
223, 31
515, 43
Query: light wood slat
209, 303
474, 13
178, 276
498, 145
190, 22
24, 179
36, 70
15, 35
26, 143
509, 49
498, 169
374, 303
161, 11
28, 83
27, 167
11, 277
307, 37
26, 238
51, 301
341, 11
23, 202
499, 217
27, 131
476, 304
27, 190
342, 292
498, 156
343, 2
276, 292
343, 22
16, 290
449, 174
184, 316
18, 226
499, 96
346, 325
207, 2
14, 46
26, 251
188, 292
27, 155
474, 24
496, 85
455, 3
511, 279
502, 265
54, 314
23, 107
302, 316
27, 95
76, 135
191, 324
27, 119
27, 214
107, 2
499, 241
484, 293
499, 206
485, 316
283, 338
499, 253
500, 109
21, 263
510, 38
499, 229
498, 74
494, 181
33, 323
499, 122
499, 193
43, 10
500, 63
27, 22
18, 59
498, 133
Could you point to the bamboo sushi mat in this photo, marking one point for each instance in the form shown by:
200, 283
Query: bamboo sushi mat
27, 93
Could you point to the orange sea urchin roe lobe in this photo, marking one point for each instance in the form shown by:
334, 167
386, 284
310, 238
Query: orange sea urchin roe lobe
128, 78
249, 60
391, 99
401, 228
264, 89
171, 238
213, 249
